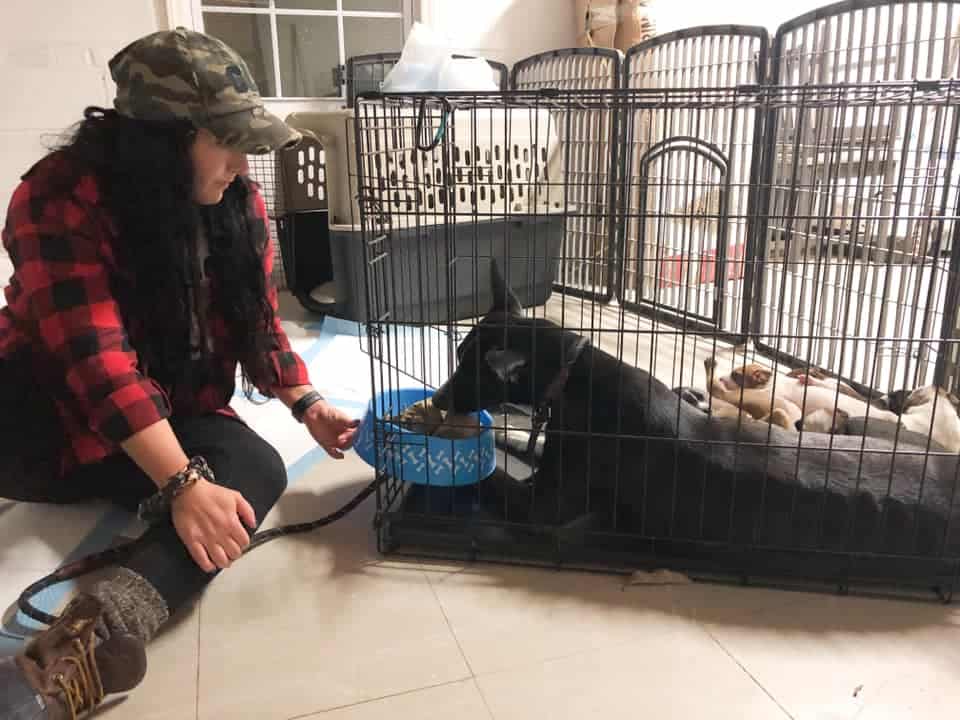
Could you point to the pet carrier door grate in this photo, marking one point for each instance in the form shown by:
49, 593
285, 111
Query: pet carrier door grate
293, 183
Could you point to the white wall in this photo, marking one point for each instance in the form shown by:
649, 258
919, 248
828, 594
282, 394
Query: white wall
53, 53
53, 63
503, 30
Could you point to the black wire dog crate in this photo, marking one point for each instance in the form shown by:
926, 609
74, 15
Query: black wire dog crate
746, 234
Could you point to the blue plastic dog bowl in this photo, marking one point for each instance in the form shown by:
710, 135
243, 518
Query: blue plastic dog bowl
422, 459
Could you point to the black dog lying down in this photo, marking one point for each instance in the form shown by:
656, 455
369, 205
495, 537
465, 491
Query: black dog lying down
623, 452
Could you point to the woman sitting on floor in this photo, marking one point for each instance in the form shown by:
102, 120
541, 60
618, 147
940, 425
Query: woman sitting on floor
142, 265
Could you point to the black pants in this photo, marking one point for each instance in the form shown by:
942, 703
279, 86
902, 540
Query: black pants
240, 459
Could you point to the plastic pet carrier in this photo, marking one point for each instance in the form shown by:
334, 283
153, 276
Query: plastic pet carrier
447, 205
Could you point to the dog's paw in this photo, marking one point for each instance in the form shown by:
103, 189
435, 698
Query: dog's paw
780, 418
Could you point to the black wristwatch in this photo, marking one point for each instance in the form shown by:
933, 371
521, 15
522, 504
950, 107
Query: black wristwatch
299, 408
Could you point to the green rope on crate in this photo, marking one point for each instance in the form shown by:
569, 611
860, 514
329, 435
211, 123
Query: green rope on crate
441, 130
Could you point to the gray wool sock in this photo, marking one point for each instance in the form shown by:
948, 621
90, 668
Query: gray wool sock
131, 606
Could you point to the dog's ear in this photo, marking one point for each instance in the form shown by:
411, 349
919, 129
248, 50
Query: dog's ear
505, 363
503, 297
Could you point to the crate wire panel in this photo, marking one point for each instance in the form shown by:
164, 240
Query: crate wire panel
445, 184
858, 199
689, 178
589, 252
462, 159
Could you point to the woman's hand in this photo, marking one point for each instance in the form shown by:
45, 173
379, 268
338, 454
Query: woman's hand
207, 519
332, 429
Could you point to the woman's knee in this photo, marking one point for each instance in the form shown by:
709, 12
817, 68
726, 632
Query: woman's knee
241, 459
257, 472
270, 473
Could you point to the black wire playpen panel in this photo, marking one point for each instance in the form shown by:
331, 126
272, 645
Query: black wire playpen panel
629, 471
687, 182
858, 228
590, 239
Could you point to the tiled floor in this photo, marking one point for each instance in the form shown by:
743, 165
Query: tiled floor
320, 626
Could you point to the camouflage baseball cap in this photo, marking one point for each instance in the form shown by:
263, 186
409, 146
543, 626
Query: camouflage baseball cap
182, 74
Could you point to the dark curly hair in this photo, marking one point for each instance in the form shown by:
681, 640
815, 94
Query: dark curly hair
145, 176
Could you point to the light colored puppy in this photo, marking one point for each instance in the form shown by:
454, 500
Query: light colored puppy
929, 411
796, 395
749, 387
715, 407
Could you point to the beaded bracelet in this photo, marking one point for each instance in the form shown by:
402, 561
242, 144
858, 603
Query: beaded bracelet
158, 504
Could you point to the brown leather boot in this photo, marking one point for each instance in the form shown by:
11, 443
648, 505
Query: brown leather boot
69, 674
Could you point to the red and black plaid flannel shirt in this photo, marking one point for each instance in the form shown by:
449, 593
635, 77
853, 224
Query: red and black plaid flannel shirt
60, 307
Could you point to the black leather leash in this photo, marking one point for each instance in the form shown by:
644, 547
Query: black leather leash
113, 555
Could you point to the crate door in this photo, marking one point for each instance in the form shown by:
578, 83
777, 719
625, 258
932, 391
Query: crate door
679, 265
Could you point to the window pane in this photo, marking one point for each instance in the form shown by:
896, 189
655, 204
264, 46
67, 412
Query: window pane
382, 5
307, 4
309, 51
362, 36
237, 3
249, 35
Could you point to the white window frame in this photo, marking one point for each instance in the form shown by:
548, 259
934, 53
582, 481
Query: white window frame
189, 13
